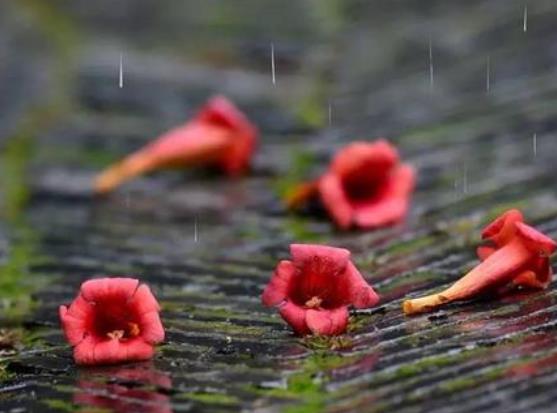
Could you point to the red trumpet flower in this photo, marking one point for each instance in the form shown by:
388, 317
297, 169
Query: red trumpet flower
314, 290
112, 320
219, 135
517, 255
366, 186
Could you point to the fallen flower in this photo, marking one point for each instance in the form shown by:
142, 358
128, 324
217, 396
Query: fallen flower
365, 186
499, 233
219, 135
112, 320
313, 291
517, 255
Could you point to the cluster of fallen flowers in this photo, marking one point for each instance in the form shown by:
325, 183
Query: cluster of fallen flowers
365, 186
113, 320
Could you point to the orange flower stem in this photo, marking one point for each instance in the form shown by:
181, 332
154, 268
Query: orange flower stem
493, 272
300, 194
134, 165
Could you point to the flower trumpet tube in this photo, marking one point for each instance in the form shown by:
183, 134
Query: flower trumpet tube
519, 257
219, 135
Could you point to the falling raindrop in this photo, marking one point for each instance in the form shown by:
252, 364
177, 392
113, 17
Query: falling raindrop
525, 25
330, 113
121, 73
273, 63
430, 64
535, 144
195, 230
465, 179
487, 75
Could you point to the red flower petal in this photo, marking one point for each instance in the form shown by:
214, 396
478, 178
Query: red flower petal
151, 327
109, 288
308, 256
535, 240
362, 295
391, 204
537, 277
144, 301
93, 352
84, 352
502, 228
221, 111
528, 279
138, 350
295, 316
109, 352
327, 322
385, 212
277, 289
335, 201
544, 273
375, 160
484, 252
76, 319
75, 329
80, 308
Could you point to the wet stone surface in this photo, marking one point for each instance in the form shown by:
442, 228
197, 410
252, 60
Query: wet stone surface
471, 139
